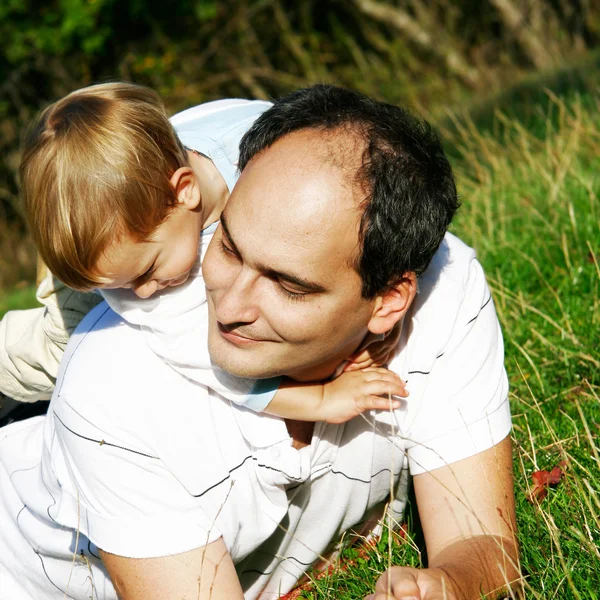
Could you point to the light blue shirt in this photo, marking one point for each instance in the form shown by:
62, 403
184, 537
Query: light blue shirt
215, 129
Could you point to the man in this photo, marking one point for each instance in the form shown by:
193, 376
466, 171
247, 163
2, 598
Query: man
343, 202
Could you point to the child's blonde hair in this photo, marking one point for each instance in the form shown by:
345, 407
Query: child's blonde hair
95, 168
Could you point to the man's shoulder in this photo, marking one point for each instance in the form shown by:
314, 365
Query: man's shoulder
450, 265
443, 286
453, 281
101, 338
108, 363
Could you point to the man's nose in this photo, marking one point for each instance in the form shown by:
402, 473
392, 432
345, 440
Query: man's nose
146, 289
238, 303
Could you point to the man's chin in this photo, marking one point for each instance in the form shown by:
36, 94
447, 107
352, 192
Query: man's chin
244, 371
247, 363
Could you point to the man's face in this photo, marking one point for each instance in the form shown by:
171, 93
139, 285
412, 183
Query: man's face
283, 295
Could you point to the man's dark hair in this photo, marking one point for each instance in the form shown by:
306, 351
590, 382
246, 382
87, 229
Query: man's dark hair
411, 194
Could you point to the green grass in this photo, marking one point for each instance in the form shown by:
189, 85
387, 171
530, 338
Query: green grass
533, 213
20, 298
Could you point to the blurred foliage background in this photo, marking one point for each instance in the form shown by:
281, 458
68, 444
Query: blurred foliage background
437, 55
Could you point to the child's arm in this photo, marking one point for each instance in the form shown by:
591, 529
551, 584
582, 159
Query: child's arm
33, 341
339, 400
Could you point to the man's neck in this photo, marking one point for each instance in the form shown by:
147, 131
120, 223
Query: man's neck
301, 432
324, 370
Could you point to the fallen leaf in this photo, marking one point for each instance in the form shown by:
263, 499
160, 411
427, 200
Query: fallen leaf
542, 480
575, 392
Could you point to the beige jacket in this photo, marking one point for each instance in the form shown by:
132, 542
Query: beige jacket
33, 341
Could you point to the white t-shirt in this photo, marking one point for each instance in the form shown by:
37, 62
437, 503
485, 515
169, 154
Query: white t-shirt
174, 320
142, 462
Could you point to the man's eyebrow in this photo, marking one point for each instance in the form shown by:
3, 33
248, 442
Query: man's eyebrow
310, 286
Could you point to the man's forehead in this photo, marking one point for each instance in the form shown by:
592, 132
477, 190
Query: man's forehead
340, 147
295, 200
314, 169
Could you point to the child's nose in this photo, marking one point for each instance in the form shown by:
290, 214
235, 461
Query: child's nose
146, 289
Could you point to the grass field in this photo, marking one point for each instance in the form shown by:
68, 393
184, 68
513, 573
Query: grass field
22, 297
530, 191
532, 211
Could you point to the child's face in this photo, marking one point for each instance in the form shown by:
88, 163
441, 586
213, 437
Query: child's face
164, 261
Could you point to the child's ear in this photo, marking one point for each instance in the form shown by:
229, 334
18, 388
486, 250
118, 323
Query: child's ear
187, 190
391, 305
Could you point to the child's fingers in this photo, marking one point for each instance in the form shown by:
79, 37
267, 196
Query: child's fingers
381, 370
350, 366
375, 373
357, 366
377, 360
384, 387
366, 358
379, 373
377, 380
375, 355
360, 356
361, 360
377, 403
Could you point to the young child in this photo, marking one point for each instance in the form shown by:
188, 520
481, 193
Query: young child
122, 200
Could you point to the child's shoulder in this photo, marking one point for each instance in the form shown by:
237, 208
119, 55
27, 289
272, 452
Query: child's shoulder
215, 129
219, 114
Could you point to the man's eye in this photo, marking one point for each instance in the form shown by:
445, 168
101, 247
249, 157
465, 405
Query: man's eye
226, 249
292, 295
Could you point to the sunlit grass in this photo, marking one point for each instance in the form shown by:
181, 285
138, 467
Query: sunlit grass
532, 211
17, 299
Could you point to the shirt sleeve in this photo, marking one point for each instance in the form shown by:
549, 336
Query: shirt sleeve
255, 394
464, 408
33, 341
127, 500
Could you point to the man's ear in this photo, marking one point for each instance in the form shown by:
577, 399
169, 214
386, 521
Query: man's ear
187, 190
391, 305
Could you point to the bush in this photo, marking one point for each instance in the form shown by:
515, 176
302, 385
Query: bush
432, 53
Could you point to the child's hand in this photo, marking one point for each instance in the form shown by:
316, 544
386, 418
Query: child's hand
376, 354
353, 393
